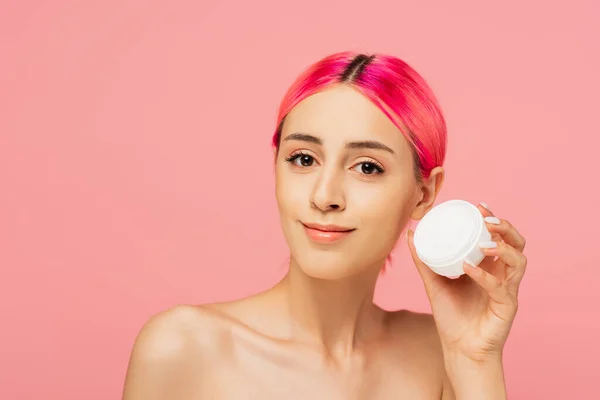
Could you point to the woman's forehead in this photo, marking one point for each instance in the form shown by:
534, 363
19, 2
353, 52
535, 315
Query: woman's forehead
342, 113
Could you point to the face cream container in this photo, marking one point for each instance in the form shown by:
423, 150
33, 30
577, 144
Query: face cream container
448, 235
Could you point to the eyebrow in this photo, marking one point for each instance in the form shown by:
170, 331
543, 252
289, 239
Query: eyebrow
363, 144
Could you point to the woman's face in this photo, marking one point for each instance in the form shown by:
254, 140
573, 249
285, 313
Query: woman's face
343, 165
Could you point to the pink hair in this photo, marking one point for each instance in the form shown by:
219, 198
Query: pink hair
393, 86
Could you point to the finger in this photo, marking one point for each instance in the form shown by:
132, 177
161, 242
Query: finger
491, 265
492, 285
425, 272
485, 209
514, 259
507, 231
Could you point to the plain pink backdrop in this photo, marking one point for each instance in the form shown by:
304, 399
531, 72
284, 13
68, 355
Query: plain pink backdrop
135, 167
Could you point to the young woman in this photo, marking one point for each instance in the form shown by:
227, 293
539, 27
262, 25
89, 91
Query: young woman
358, 152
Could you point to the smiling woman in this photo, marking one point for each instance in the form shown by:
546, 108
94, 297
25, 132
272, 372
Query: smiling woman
342, 161
358, 152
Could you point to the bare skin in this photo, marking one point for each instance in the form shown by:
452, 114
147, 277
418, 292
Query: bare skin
223, 351
317, 334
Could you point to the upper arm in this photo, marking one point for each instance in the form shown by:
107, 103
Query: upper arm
423, 326
447, 390
433, 339
163, 358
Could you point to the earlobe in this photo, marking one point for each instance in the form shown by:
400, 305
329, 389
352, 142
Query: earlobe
419, 211
422, 204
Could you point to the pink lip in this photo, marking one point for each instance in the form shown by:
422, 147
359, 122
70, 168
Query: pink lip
326, 233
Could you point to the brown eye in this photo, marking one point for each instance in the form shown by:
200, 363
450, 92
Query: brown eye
368, 168
301, 160
305, 160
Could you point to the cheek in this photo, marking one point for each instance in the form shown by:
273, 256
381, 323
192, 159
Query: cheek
290, 193
384, 210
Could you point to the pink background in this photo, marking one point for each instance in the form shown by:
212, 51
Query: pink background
135, 167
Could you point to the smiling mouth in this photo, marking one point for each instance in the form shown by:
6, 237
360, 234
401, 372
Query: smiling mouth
326, 233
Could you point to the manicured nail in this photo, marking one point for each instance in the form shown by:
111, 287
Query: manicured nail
470, 264
492, 220
485, 206
488, 245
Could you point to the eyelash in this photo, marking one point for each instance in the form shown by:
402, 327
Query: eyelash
378, 166
294, 156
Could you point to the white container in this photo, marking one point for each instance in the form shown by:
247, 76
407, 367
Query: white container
448, 235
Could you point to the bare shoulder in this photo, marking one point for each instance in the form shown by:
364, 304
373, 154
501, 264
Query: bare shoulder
172, 346
180, 329
416, 327
417, 337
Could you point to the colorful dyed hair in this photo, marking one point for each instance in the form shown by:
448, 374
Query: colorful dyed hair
393, 86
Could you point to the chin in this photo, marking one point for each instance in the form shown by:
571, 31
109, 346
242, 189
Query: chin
327, 265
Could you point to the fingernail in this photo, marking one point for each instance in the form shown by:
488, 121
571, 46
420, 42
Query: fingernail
485, 206
470, 264
492, 220
488, 245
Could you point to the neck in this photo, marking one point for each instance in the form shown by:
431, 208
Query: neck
337, 316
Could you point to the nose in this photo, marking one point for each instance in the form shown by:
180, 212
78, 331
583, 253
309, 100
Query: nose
328, 193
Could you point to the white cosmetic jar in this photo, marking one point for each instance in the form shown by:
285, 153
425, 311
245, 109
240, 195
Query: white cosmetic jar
448, 235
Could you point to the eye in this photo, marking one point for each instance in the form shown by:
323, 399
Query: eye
369, 168
301, 159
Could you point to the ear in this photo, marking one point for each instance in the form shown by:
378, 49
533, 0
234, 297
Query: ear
428, 191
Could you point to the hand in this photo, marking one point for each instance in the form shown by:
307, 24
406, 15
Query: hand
475, 312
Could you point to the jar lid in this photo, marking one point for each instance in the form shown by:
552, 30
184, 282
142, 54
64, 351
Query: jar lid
448, 232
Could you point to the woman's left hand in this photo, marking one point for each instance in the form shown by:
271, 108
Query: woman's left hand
474, 313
